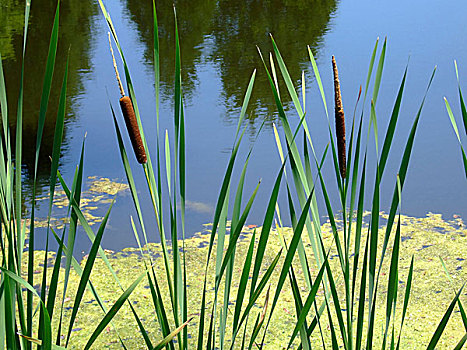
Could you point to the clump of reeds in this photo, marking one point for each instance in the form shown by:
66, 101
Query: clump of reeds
130, 117
340, 120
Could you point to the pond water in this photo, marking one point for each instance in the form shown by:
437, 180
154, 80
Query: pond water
218, 45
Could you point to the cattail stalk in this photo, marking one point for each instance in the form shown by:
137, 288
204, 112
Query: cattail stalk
340, 121
130, 118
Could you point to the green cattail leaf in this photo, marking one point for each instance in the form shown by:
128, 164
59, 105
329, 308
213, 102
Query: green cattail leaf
392, 125
58, 136
379, 72
335, 298
335, 344
246, 100
234, 235
242, 285
453, 120
442, 325
359, 216
332, 221
47, 84
461, 308
113, 311
307, 306
266, 228
297, 166
156, 62
362, 294
393, 282
87, 273
403, 172
461, 343
408, 288
291, 252
456, 130
461, 99
318, 78
255, 331
54, 278
288, 81
159, 306
3, 102
370, 70
253, 297
19, 280
305, 341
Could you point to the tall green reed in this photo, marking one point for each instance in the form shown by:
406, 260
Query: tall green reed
354, 327
28, 322
355, 321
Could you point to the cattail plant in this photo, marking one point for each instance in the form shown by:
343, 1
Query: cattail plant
129, 116
340, 120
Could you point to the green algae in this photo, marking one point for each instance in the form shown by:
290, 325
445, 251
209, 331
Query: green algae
428, 239
98, 191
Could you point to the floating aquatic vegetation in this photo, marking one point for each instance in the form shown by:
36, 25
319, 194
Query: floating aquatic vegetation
431, 286
98, 191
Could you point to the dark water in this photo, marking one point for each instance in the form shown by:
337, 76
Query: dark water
218, 44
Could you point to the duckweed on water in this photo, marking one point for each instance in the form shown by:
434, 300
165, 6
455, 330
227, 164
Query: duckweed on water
429, 239
99, 190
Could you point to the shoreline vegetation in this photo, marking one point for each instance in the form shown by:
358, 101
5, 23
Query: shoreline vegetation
364, 279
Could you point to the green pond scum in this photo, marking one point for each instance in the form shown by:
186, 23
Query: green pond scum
98, 191
430, 239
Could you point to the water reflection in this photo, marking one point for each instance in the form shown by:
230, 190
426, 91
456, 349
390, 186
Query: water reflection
194, 23
240, 25
226, 33
76, 21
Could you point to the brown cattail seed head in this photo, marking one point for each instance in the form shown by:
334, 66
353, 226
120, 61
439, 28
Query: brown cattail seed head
340, 120
133, 130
